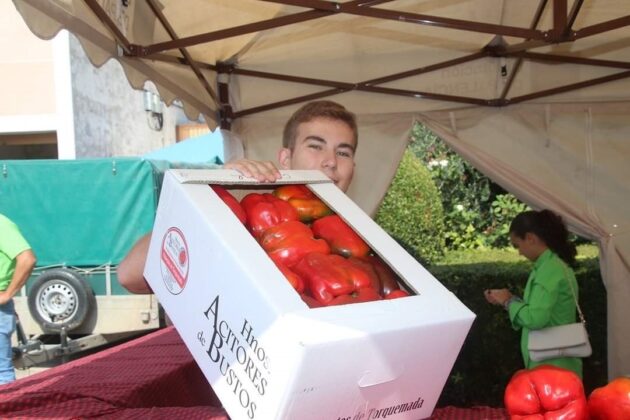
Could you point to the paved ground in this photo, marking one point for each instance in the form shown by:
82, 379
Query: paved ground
22, 373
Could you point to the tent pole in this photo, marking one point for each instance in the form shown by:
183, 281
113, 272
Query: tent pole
225, 108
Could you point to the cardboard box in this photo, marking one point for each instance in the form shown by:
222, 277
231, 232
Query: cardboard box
265, 353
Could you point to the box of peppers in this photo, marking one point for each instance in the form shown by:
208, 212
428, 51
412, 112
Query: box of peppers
295, 303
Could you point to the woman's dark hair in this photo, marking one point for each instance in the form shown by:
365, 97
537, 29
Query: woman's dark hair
549, 227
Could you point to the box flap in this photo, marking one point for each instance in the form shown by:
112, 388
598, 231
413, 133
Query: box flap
233, 177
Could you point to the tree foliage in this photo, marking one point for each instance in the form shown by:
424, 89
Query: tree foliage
411, 211
477, 212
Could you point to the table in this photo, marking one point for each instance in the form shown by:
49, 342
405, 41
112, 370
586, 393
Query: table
151, 377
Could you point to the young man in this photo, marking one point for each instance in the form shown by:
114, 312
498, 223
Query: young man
16, 264
321, 135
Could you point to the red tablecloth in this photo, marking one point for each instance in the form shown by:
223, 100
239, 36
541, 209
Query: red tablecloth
152, 377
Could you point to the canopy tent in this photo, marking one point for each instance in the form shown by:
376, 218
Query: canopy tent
206, 148
534, 94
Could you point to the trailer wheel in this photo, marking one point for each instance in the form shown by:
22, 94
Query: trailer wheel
60, 298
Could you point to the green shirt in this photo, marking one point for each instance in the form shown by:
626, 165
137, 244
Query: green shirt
548, 301
12, 244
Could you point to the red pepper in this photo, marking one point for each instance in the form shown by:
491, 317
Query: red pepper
547, 392
611, 401
323, 280
312, 303
295, 280
307, 204
286, 192
328, 276
288, 242
395, 294
362, 295
389, 280
362, 277
231, 202
340, 236
265, 210
369, 270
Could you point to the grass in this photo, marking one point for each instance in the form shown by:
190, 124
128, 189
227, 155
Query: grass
585, 252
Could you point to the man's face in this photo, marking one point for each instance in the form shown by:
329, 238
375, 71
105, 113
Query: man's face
326, 145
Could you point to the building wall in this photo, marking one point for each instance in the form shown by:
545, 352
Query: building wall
110, 117
27, 90
27, 85
55, 103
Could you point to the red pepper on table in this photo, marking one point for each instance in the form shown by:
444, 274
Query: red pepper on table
307, 204
343, 240
231, 202
292, 277
547, 392
328, 276
265, 210
611, 401
288, 242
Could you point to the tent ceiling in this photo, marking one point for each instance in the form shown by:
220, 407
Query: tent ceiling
480, 52
543, 33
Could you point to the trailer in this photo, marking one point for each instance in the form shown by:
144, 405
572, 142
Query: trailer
80, 217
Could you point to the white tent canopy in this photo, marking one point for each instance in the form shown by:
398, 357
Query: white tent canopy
533, 93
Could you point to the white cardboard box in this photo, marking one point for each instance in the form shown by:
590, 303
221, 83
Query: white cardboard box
265, 353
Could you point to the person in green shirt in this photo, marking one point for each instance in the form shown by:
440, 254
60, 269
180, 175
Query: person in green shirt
16, 264
551, 291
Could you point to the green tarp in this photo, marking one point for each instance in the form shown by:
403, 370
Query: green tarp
85, 212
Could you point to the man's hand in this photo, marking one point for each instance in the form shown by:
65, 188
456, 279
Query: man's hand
4, 298
24, 264
263, 171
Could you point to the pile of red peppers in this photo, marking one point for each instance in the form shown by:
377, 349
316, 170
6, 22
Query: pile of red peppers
546, 392
320, 255
611, 401
552, 393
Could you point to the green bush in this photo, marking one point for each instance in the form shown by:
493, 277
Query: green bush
491, 354
411, 211
477, 212
505, 208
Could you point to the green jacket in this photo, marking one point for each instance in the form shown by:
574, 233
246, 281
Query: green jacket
547, 301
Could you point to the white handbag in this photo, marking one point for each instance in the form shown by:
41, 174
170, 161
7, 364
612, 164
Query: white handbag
570, 340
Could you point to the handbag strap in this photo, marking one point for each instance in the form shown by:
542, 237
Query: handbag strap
577, 305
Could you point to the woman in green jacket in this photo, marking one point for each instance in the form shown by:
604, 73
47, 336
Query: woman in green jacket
548, 300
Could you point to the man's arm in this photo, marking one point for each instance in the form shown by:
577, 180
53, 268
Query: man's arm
131, 268
25, 262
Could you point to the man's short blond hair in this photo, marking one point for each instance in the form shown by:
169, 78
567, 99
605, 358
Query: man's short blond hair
318, 109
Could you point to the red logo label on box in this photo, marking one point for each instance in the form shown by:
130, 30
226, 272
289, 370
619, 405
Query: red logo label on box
174, 260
